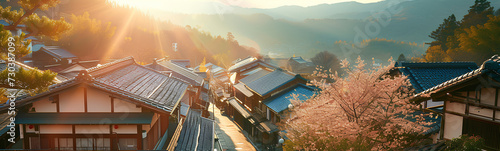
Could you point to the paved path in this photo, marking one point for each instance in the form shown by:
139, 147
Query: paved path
230, 136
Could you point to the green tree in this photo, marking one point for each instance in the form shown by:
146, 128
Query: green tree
327, 61
88, 36
478, 43
32, 80
478, 14
401, 58
446, 29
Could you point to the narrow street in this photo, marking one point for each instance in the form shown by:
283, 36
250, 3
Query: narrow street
230, 136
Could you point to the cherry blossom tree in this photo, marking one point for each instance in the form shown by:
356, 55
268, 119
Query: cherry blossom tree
367, 109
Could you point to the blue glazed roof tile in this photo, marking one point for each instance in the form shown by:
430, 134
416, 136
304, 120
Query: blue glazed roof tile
490, 67
424, 76
279, 102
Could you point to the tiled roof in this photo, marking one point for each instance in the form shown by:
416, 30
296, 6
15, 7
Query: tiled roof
279, 102
490, 67
146, 83
241, 87
177, 71
197, 133
254, 75
240, 108
249, 63
427, 75
58, 52
268, 82
268, 127
126, 78
299, 59
242, 63
181, 62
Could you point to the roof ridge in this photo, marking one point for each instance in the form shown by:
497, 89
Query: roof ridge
97, 68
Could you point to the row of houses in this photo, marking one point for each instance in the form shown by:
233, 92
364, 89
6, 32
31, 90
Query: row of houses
462, 94
260, 93
119, 105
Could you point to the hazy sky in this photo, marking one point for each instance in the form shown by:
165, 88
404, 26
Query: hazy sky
204, 6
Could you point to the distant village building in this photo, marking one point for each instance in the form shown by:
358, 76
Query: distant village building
471, 104
299, 65
261, 93
52, 56
119, 105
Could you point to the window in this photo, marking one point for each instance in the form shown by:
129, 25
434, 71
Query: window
84, 143
93, 144
103, 143
63, 143
127, 144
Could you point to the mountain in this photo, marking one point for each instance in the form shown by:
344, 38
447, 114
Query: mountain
289, 30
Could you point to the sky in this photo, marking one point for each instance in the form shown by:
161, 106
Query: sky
211, 6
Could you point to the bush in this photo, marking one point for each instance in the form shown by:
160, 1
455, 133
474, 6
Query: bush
465, 143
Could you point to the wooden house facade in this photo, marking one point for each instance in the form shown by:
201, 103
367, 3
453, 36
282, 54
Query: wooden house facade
116, 106
471, 104
254, 82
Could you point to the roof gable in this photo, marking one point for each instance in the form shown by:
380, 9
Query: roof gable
427, 75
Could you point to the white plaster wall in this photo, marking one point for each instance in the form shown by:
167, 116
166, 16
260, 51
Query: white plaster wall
72, 100
56, 129
125, 129
452, 126
123, 106
488, 96
98, 101
430, 103
455, 107
92, 129
45, 106
480, 111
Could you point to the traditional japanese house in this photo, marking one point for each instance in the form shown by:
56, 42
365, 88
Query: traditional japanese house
49, 56
299, 65
247, 66
274, 106
199, 84
193, 133
471, 104
259, 81
116, 106
218, 78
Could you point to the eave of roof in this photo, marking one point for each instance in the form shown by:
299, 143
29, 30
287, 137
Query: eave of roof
491, 65
425, 75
